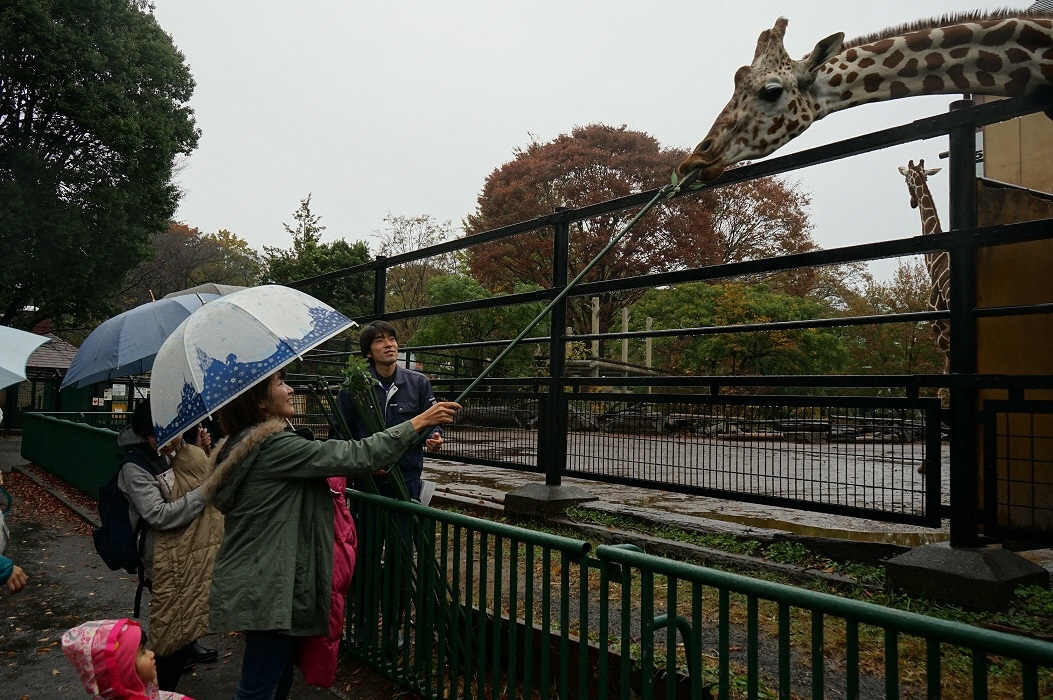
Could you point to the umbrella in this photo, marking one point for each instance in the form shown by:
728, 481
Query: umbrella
126, 344
229, 345
207, 288
15, 348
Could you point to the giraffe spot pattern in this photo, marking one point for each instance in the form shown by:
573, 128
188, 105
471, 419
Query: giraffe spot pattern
956, 73
918, 41
989, 62
872, 82
898, 89
985, 79
1018, 80
934, 61
880, 47
1033, 39
776, 125
1015, 55
999, 36
1047, 73
851, 77
957, 35
866, 62
835, 80
893, 59
909, 69
959, 53
932, 84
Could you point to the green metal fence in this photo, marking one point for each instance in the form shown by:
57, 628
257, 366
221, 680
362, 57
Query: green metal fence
73, 448
487, 610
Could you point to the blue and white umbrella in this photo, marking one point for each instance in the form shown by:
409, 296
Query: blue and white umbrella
15, 348
229, 345
127, 343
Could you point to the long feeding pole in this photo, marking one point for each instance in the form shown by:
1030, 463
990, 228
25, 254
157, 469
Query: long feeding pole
665, 192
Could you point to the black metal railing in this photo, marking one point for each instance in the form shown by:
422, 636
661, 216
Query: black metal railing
552, 390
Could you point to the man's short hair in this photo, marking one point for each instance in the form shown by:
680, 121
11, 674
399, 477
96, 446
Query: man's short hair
369, 333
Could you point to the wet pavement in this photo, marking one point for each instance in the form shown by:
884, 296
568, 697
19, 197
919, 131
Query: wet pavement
490, 484
69, 584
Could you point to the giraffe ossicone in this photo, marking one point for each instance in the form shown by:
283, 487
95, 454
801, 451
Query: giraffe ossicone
776, 98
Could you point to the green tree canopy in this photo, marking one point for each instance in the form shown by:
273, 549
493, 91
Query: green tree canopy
805, 351
499, 323
309, 257
407, 284
93, 115
895, 348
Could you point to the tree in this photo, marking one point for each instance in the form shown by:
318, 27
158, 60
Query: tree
309, 257
896, 348
498, 323
805, 351
596, 163
407, 284
184, 257
92, 117
764, 218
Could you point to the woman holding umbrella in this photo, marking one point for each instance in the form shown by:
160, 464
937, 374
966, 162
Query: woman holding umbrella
273, 573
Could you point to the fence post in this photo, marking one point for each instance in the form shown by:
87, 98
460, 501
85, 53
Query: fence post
380, 282
552, 423
964, 429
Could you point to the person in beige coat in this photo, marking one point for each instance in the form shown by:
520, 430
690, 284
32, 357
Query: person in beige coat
183, 559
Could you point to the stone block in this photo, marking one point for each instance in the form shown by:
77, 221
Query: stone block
543, 501
982, 577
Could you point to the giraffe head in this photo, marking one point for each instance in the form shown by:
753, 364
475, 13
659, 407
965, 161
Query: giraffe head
916, 176
771, 105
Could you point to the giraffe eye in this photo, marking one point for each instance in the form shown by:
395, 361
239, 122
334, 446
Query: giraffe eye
771, 92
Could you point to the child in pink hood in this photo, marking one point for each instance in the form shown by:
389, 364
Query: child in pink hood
113, 661
317, 656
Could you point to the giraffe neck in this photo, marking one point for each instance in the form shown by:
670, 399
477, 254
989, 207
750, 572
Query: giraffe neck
930, 218
1006, 57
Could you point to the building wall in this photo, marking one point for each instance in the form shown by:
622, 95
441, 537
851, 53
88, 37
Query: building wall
1018, 151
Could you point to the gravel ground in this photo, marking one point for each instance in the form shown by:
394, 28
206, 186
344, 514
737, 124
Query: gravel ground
69, 584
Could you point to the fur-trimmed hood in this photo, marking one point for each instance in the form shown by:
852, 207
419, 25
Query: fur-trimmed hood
222, 485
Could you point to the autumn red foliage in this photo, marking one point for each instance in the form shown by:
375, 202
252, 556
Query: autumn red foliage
597, 163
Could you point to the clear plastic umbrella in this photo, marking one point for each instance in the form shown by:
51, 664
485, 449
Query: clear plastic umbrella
15, 348
127, 343
230, 344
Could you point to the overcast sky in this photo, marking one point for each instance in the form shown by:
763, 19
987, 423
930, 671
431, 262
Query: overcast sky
404, 108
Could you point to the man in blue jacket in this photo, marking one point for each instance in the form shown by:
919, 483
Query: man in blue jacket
403, 394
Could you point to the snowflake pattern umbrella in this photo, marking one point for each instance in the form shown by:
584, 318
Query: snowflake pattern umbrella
229, 345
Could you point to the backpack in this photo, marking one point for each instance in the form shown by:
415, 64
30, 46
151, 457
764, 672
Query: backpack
115, 540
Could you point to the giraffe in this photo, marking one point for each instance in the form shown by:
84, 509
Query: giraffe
938, 263
776, 98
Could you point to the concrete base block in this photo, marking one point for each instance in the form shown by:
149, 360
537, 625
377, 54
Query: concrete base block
543, 501
982, 577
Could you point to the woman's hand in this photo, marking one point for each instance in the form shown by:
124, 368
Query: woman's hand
440, 413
